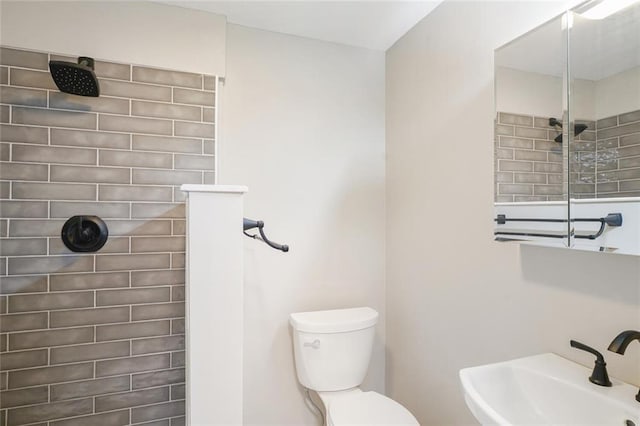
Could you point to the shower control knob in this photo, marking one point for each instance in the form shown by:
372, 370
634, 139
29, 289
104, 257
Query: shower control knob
315, 344
84, 234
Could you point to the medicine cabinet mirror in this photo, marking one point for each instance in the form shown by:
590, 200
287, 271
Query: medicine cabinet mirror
567, 132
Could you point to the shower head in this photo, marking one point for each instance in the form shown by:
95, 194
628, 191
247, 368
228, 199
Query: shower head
554, 122
577, 129
76, 79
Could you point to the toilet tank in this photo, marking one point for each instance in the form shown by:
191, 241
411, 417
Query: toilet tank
332, 349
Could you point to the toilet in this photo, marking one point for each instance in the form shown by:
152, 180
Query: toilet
332, 350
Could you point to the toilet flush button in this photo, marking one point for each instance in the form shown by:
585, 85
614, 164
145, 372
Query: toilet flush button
315, 344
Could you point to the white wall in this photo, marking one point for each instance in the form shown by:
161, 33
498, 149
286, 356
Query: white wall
618, 93
528, 93
455, 298
133, 32
532, 93
302, 125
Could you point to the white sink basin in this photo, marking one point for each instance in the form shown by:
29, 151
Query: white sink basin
546, 390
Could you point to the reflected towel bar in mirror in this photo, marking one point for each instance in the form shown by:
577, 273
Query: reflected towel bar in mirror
612, 219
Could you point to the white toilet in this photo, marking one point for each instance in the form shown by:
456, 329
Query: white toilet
332, 350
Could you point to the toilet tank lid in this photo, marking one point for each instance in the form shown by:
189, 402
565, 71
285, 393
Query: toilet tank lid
334, 321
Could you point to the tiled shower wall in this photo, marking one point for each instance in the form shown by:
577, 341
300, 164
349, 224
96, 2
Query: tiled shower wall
527, 161
604, 159
617, 160
97, 338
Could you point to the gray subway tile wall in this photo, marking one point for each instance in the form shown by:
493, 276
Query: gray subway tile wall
617, 156
523, 159
96, 339
31, 209
604, 159
29, 78
92, 387
114, 418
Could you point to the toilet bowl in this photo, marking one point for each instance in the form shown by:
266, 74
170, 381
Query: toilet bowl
368, 408
332, 350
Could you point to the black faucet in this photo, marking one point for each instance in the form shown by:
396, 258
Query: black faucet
599, 375
620, 343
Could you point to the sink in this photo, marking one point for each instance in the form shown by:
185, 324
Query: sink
546, 390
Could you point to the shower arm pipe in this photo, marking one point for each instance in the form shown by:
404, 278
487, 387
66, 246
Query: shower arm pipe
612, 219
250, 224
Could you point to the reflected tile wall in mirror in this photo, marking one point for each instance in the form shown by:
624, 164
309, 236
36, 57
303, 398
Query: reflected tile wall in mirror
528, 162
618, 156
605, 158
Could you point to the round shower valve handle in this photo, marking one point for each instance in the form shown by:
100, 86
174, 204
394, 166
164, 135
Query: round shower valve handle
315, 344
85, 234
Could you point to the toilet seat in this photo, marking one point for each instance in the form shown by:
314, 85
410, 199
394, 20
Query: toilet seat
368, 408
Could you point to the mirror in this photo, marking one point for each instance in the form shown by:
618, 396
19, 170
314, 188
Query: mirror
567, 133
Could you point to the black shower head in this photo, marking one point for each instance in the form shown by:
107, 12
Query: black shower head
76, 79
554, 122
577, 129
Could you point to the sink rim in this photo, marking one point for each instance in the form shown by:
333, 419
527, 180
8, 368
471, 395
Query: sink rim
556, 368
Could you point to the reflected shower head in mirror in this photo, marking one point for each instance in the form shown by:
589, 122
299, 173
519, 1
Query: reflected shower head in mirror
553, 122
76, 79
577, 129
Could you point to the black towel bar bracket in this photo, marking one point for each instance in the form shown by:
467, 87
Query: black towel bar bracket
612, 219
250, 224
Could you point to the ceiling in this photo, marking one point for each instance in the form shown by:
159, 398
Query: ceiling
373, 25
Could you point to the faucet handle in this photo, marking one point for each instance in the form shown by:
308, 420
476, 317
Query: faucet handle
599, 375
